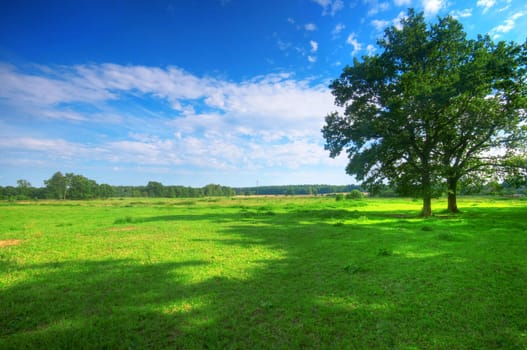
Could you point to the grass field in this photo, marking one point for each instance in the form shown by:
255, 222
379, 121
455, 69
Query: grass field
263, 273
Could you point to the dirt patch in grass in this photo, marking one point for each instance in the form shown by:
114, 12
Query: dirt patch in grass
10, 242
127, 228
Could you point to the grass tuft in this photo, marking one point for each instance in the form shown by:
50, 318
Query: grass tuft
127, 220
384, 252
354, 268
449, 237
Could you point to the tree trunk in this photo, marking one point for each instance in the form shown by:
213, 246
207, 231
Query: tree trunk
427, 206
427, 196
452, 195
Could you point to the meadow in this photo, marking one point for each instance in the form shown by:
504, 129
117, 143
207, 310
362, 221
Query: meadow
263, 273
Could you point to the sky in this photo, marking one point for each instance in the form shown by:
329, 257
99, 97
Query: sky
188, 92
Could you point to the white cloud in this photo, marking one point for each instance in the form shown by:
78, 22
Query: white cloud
432, 7
44, 89
486, 4
380, 24
353, 41
323, 3
283, 45
402, 2
146, 152
330, 7
506, 6
311, 59
370, 49
314, 45
176, 119
47, 148
337, 30
507, 25
462, 13
310, 27
397, 21
377, 7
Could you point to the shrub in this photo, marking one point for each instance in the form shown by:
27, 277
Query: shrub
339, 197
355, 194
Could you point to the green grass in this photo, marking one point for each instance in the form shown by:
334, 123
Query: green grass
263, 273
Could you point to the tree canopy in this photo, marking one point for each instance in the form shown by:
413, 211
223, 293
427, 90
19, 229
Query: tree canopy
430, 109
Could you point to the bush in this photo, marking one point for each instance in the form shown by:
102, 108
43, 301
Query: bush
355, 194
339, 197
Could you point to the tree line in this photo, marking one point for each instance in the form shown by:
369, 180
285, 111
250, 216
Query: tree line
289, 190
78, 187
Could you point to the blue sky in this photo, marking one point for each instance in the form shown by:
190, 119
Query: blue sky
190, 92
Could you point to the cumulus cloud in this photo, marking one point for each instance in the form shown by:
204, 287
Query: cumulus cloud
486, 4
507, 25
397, 21
45, 88
310, 27
432, 7
462, 13
176, 119
353, 41
314, 45
377, 7
330, 7
323, 3
380, 25
45, 148
506, 6
337, 30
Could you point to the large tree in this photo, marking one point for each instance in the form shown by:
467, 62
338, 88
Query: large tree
404, 111
486, 131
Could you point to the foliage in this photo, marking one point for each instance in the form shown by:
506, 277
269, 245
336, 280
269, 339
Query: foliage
57, 186
295, 189
428, 108
355, 194
73, 186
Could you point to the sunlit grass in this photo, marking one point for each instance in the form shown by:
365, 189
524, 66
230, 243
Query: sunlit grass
278, 272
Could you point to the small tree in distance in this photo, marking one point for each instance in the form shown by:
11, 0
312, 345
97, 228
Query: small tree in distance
355, 194
57, 186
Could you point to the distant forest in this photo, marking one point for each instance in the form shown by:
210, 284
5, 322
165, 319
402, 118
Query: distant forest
76, 187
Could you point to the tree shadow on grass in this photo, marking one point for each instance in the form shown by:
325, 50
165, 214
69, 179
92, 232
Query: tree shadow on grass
328, 288
89, 304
